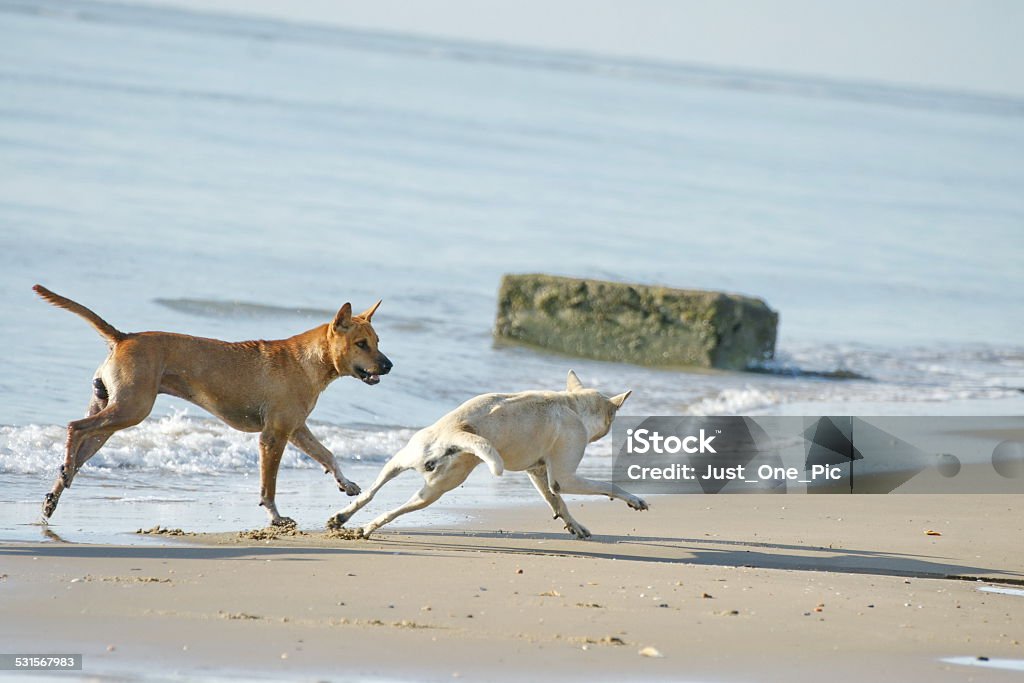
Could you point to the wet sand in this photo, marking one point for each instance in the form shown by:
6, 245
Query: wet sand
722, 588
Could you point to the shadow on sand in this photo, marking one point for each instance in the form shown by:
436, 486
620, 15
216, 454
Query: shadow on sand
684, 551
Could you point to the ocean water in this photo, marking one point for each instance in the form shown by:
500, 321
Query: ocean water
242, 178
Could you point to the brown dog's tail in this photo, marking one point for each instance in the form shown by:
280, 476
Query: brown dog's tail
108, 331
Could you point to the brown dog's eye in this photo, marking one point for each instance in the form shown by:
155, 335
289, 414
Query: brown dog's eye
362, 344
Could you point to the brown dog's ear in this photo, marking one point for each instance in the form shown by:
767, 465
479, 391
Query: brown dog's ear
620, 399
368, 313
573, 383
344, 318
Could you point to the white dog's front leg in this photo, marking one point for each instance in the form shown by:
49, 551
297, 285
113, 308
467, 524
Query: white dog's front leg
575, 484
539, 477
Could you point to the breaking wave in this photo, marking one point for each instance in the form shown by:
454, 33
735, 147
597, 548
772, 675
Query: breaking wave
183, 444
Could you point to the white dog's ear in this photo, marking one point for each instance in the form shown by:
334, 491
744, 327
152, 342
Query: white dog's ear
573, 383
620, 399
368, 313
344, 317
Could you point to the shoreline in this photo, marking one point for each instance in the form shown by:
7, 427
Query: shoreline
798, 587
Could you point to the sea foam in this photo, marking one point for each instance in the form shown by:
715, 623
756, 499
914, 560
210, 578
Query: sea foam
185, 444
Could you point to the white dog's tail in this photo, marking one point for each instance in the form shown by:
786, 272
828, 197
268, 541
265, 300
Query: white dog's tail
467, 440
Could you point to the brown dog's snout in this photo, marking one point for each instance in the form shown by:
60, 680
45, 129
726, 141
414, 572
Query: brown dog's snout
385, 364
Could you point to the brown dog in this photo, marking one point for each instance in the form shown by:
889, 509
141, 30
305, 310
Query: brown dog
268, 387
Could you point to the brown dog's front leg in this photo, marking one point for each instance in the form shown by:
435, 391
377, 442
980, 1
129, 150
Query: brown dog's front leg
272, 445
304, 440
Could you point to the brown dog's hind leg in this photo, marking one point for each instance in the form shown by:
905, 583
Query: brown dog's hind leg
96, 404
83, 433
87, 436
304, 440
272, 445
71, 464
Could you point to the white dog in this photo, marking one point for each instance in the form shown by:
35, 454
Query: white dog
542, 432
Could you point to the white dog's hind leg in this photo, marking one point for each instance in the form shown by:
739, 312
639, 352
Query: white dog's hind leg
539, 477
436, 484
391, 470
421, 499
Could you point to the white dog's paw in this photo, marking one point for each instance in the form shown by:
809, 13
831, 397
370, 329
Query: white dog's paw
637, 503
283, 521
365, 531
349, 488
337, 521
578, 530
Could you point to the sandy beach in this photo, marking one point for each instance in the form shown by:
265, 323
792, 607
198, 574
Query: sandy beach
720, 588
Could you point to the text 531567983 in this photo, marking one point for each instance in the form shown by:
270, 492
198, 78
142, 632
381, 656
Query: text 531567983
40, 662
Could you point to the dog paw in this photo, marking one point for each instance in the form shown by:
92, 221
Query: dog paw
284, 522
349, 488
337, 521
364, 532
637, 503
49, 505
578, 530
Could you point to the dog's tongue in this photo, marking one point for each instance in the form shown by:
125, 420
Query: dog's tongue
373, 379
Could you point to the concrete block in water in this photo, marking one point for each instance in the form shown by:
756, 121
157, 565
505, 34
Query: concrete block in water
641, 324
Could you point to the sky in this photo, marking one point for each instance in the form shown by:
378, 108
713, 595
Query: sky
973, 45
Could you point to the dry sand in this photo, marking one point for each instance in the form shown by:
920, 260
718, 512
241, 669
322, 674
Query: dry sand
724, 588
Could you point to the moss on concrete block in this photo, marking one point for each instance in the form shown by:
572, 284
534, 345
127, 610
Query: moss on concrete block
640, 324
